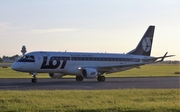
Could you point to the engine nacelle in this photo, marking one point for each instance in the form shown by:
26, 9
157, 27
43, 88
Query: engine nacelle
89, 73
56, 75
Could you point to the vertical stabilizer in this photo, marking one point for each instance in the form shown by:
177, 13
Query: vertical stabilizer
145, 45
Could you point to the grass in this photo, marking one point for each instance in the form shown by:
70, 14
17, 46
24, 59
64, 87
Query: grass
145, 71
125, 100
152, 70
120, 100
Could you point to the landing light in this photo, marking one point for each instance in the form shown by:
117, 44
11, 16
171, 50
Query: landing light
79, 68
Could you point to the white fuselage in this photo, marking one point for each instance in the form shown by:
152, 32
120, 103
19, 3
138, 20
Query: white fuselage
71, 62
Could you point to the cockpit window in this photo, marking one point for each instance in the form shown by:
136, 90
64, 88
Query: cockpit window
27, 58
31, 57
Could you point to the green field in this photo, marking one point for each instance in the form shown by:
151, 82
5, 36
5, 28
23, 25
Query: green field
145, 71
125, 100
119, 100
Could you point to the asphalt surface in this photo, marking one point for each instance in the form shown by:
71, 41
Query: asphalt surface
90, 84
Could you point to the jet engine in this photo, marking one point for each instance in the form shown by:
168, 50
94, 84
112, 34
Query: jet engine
56, 75
89, 73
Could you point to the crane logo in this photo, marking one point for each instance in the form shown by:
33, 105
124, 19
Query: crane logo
146, 44
93, 73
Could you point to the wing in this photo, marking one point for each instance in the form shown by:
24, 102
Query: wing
119, 67
122, 67
126, 66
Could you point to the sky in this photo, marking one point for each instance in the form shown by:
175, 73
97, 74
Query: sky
111, 26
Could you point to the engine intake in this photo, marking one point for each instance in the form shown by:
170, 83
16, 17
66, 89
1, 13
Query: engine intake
89, 73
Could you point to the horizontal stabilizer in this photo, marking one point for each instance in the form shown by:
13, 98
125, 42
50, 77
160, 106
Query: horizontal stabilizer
156, 58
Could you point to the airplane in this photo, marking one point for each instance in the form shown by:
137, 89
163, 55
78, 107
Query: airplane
88, 65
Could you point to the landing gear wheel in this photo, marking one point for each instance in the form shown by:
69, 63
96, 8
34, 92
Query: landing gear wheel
101, 78
34, 80
79, 78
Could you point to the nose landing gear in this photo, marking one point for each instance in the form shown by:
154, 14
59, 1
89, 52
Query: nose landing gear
34, 79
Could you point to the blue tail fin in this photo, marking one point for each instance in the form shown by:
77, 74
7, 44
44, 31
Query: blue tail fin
145, 45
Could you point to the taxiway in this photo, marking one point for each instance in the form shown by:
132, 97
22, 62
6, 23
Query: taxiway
90, 84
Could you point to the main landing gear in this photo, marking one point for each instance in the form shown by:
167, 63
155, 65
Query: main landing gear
101, 78
34, 79
79, 78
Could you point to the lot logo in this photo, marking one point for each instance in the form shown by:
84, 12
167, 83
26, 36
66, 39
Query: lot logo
53, 63
93, 73
146, 44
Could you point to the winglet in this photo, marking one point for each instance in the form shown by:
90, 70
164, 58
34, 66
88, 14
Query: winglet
163, 57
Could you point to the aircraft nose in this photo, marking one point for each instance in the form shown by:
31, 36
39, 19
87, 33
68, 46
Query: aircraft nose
15, 66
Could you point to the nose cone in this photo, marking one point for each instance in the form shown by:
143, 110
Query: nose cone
15, 66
